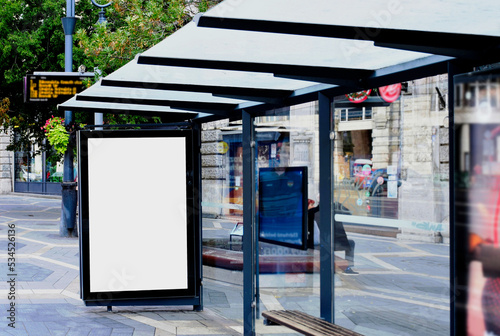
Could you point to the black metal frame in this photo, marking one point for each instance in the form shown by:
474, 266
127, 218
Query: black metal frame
250, 243
443, 43
472, 49
303, 231
460, 254
193, 294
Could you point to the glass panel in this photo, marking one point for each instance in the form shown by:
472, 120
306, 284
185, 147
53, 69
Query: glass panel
54, 167
29, 165
439, 15
289, 276
355, 113
391, 192
36, 165
222, 211
73, 104
478, 204
22, 166
132, 72
136, 93
243, 46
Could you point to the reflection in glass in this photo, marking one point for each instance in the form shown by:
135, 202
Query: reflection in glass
478, 202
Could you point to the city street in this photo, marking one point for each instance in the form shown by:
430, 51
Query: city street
401, 289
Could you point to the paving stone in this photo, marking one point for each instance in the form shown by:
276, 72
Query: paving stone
25, 272
143, 332
101, 332
36, 328
59, 332
364, 303
19, 331
122, 332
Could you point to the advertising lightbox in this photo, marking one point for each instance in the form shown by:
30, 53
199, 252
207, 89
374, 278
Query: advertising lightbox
137, 215
283, 206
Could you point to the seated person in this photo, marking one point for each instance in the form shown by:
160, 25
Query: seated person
341, 242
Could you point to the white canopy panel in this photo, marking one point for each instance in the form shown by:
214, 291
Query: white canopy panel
449, 16
228, 45
124, 108
155, 77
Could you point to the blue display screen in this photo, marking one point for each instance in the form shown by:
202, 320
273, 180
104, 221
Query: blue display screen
283, 206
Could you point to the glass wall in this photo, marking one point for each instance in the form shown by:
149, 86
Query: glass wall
477, 119
392, 198
288, 202
391, 201
37, 171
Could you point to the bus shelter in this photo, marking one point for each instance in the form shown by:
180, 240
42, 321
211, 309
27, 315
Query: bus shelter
246, 59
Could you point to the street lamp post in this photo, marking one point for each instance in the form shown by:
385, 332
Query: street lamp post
69, 197
102, 14
98, 117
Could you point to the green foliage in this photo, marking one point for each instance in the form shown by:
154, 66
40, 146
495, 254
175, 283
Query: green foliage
4, 115
56, 134
59, 136
32, 39
132, 27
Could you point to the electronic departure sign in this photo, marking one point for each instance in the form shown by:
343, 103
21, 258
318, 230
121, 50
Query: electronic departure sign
54, 87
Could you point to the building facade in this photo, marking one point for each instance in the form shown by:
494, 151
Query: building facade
405, 142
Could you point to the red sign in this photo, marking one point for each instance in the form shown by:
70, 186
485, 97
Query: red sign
390, 93
358, 97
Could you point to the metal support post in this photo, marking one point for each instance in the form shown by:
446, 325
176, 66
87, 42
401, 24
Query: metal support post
198, 211
249, 257
69, 195
327, 276
451, 172
99, 117
458, 317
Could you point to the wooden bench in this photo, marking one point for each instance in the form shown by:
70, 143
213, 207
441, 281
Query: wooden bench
305, 323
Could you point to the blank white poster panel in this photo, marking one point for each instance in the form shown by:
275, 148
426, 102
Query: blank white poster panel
137, 214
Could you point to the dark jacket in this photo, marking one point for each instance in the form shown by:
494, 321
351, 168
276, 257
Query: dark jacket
340, 243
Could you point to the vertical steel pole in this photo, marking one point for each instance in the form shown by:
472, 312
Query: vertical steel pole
249, 303
99, 117
458, 316
98, 120
327, 276
451, 172
198, 210
69, 197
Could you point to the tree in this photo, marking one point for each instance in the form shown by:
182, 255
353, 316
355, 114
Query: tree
132, 27
31, 39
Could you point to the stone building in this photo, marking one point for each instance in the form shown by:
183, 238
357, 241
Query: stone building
409, 135
6, 164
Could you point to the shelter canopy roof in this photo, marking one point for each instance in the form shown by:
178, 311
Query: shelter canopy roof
282, 52
171, 115
155, 77
443, 16
322, 56
462, 28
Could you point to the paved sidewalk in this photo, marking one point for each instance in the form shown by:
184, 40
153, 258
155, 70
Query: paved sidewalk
47, 285
402, 288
